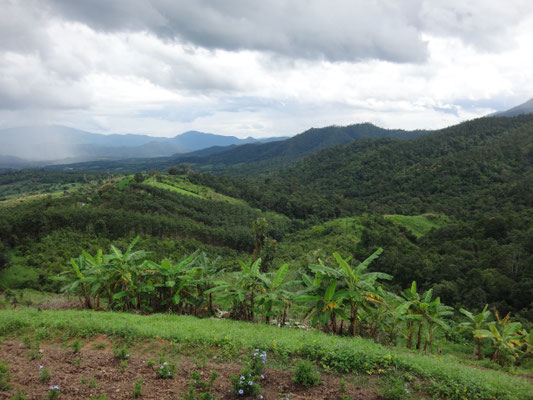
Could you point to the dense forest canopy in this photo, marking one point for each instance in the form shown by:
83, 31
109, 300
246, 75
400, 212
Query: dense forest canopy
452, 210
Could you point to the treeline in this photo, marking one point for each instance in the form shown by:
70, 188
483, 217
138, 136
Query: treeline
340, 297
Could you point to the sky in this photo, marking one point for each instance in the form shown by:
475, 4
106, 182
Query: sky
261, 68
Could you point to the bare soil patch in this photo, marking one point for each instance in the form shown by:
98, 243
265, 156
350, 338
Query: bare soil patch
100, 373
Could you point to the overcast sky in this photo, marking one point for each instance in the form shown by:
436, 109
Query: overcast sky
261, 68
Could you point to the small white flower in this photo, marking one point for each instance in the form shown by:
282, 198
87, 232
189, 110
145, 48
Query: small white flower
242, 378
241, 391
165, 363
161, 367
262, 377
250, 383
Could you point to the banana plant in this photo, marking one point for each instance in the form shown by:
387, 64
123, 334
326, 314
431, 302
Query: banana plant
507, 338
239, 294
435, 320
419, 306
475, 323
327, 303
78, 280
170, 281
276, 298
125, 276
203, 274
360, 286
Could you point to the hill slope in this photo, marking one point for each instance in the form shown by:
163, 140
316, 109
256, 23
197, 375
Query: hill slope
525, 108
259, 157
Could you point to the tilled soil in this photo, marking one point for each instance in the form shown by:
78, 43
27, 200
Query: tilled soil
100, 366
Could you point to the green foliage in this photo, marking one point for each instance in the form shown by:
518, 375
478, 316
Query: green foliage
5, 377
76, 346
166, 370
305, 374
137, 388
44, 374
121, 352
338, 353
200, 389
53, 393
123, 365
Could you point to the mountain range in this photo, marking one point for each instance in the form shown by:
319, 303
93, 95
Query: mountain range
255, 157
42, 145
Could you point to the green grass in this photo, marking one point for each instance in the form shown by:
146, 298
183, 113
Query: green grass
419, 225
182, 185
444, 377
16, 277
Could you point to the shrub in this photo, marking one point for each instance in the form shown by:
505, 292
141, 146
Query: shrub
305, 374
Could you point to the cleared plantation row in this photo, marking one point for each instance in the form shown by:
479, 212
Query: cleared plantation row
442, 377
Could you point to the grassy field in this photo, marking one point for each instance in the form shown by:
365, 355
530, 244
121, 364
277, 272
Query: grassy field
441, 377
181, 185
419, 225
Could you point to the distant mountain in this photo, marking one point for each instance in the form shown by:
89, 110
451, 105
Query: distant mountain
62, 144
258, 157
525, 108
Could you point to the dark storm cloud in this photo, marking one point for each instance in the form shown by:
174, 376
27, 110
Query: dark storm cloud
336, 31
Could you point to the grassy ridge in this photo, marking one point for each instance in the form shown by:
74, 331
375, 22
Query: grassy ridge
447, 378
418, 225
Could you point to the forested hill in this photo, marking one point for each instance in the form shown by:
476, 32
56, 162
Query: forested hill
259, 157
474, 167
479, 174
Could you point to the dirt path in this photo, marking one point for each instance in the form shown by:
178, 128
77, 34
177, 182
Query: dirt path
99, 373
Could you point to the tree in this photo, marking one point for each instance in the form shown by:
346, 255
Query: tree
476, 323
139, 177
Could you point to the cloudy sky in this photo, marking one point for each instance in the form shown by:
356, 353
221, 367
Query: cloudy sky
260, 68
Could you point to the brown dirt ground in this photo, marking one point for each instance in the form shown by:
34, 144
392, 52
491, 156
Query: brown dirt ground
101, 365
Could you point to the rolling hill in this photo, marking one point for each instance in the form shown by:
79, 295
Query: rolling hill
257, 157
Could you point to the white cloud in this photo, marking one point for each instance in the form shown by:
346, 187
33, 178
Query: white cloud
262, 69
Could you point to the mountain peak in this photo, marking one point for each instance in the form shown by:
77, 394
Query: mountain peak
524, 108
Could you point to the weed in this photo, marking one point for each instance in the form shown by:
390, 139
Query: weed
342, 385
75, 346
199, 389
19, 395
99, 346
166, 370
123, 365
396, 389
103, 396
83, 380
33, 349
77, 362
200, 362
305, 374
150, 363
5, 377
137, 388
42, 334
93, 383
121, 353
53, 393
44, 374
